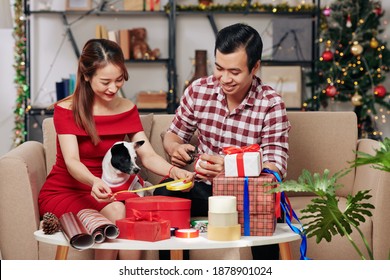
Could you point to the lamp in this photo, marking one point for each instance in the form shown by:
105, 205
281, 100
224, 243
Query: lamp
5, 14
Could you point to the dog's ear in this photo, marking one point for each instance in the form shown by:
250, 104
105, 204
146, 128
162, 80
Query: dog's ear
138, 144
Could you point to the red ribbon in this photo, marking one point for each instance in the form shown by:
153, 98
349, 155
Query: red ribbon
239, 150
240, 155
145, 216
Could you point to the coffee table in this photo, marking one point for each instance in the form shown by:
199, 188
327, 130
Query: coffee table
283, 235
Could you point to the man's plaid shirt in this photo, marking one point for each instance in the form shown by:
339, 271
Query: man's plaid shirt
260, 118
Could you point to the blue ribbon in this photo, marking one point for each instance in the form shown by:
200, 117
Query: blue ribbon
289, 212
246, 208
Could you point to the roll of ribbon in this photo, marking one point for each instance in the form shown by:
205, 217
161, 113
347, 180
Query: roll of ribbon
187, 233
222, 204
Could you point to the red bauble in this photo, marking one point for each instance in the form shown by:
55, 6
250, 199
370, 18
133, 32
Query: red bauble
378, 11
327, 11
327, 55
380, 91
331, 91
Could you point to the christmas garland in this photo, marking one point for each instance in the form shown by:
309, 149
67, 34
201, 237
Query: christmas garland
244, 6
22, 88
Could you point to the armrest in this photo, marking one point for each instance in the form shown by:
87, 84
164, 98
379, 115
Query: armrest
22, 173
368, 178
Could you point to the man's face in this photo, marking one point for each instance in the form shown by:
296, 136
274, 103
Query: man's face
232, 72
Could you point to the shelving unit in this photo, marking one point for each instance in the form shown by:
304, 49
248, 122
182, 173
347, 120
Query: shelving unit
170, 61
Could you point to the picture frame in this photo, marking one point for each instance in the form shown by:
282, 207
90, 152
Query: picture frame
78, 5
285, 80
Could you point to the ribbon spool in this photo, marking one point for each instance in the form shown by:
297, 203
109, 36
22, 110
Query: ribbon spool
187, 233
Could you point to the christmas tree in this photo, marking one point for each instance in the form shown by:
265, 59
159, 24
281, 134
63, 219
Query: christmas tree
353, 63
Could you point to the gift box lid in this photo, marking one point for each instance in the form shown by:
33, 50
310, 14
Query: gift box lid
157, 203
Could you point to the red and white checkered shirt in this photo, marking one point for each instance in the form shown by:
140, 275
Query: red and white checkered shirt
260, 118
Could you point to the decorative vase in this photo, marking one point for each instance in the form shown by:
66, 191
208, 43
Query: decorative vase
200, 66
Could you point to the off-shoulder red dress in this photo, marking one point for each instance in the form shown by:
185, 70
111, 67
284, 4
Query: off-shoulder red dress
61, 193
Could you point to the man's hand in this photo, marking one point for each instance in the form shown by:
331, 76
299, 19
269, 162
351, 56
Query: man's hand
209, 166
182, 154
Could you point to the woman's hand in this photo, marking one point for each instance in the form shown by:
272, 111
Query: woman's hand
101, 192
178, 173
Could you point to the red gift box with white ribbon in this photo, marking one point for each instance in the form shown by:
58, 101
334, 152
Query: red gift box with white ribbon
243, 161
144, 226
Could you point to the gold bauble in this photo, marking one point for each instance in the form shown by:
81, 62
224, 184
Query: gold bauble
357, 99
374, 43
356, 49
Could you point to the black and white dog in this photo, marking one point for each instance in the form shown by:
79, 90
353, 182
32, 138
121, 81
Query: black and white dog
119, 166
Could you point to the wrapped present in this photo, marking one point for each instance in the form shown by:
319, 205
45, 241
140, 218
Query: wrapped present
174, 209
144, 226
134, 5
152, 5
255, 206
245, 161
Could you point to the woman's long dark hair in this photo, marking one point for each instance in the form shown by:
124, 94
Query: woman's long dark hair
96, 54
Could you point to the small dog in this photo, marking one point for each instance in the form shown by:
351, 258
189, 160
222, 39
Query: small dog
119, 166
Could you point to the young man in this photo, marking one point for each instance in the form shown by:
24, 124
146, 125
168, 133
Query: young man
229, 108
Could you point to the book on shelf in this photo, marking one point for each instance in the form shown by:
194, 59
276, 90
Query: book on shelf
125, 42
86, 228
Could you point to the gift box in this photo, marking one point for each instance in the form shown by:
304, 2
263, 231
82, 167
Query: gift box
134, 5
241, 162
256, 214
146, 226
152, 5
174, 209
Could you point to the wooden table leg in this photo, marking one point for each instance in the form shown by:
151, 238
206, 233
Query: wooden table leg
176, 254
285, 251
62, 252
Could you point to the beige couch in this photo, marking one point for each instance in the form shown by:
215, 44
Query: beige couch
318, 140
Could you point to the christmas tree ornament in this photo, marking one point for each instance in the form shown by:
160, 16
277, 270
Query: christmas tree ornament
327, 55
356, 48
50, 223
331, 90
327, 11
374, 43
378, 11
380, 91
357, 99
348, 22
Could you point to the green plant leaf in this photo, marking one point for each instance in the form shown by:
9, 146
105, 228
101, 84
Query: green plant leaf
381, 160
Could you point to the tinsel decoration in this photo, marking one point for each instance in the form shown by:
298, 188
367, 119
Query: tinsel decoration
50, 223
22, 89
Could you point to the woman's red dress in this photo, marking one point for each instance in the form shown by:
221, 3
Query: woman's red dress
61, 193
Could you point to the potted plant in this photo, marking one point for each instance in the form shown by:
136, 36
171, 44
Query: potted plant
324, 217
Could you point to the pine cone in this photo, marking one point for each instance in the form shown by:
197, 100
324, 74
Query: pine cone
50, 224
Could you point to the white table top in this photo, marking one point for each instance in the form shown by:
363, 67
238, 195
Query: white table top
282, 234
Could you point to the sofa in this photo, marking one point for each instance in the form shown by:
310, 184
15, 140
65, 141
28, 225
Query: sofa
318, 141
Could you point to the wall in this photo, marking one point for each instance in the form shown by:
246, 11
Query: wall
57, 60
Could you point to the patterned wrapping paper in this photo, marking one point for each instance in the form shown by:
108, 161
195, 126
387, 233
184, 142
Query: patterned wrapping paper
262, 204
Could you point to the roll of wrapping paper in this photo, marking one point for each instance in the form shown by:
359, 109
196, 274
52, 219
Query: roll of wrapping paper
75, 232
230, 233
94, 222
187, 233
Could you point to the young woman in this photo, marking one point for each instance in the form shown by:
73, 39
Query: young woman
88, 123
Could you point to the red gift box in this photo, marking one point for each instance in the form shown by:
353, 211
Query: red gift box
146, 226
174, 209
261, 204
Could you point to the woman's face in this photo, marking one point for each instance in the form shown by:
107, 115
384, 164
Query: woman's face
107, 81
